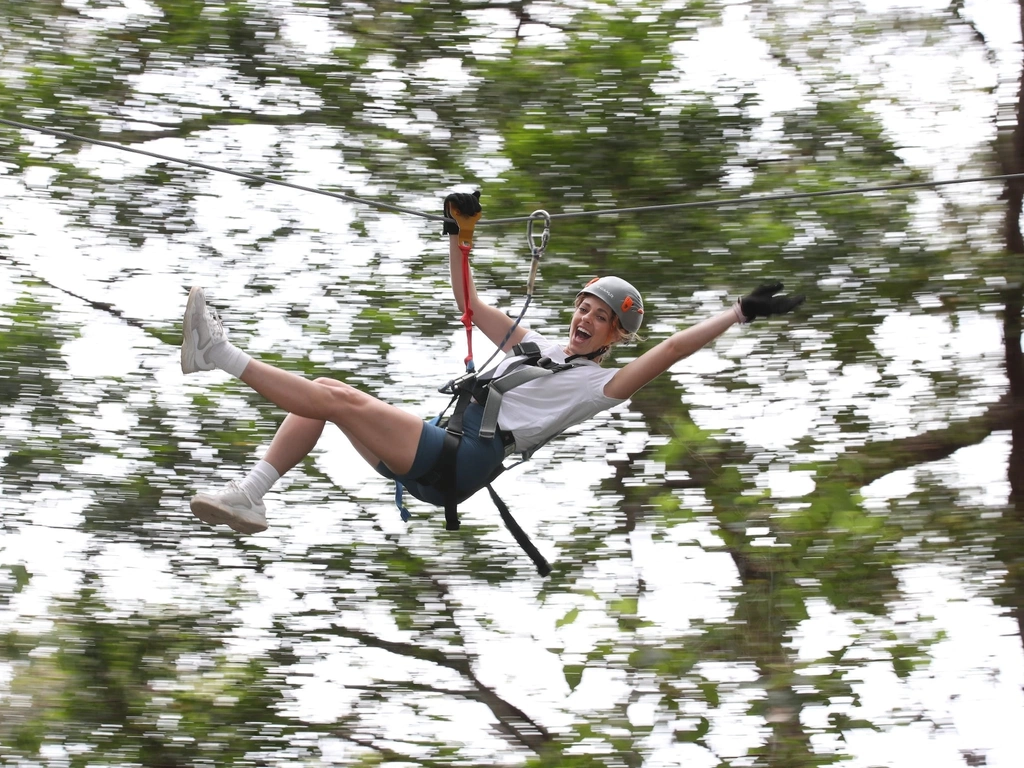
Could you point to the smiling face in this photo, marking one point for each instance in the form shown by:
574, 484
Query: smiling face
592, 327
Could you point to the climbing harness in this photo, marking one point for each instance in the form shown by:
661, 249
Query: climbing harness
488, 390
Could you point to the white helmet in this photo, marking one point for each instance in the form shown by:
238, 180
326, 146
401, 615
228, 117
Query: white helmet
622, 297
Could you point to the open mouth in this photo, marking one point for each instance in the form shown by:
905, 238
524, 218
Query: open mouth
580, 336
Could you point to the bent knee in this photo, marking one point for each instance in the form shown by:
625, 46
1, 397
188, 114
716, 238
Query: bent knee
326, 381
342, 398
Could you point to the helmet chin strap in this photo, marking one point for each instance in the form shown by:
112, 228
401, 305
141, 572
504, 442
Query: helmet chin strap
590, 356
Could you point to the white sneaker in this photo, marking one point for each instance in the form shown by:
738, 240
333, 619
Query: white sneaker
232, 507
201, 331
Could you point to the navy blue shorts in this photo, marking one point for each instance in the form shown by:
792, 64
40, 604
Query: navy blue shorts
475, 463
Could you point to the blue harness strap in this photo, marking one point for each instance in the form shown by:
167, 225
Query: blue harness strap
399, 489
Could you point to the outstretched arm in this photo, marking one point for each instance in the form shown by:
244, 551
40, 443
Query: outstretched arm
660, 358
465, 210
654, 362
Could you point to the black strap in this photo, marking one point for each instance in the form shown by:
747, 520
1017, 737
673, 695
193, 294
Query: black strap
543, 568
447, 484
462, 400
526, 349
446, 463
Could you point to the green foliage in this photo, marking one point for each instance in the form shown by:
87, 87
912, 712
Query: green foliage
13, 579
127, 687
556, 106
30, 344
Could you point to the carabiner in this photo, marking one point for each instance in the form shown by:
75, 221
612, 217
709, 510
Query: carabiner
537, 251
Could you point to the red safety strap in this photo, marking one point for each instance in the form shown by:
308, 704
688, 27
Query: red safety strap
466, 226
467, 316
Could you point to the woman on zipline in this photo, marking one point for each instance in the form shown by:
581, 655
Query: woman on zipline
399, 444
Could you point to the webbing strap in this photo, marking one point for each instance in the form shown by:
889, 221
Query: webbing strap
497, 389
462, 400
399, 489
543, 568
467, 315
448, 480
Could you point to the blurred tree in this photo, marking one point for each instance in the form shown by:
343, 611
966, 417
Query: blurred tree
565, 106
160, 689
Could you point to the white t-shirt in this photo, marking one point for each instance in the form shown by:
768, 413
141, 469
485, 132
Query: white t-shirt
540, 409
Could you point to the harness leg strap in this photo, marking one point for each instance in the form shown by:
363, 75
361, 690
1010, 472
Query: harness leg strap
449, 479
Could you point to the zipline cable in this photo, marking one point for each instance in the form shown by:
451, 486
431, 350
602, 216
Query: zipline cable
756, 199
714, 203
218, 169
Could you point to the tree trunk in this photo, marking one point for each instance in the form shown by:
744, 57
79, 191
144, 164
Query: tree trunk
1011, 543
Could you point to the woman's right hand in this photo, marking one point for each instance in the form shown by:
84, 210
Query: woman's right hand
463, 211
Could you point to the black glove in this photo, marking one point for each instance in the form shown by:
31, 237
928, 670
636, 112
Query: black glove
762, 302
465, 203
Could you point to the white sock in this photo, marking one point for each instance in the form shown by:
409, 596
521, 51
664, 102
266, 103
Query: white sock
259, 480
228, 357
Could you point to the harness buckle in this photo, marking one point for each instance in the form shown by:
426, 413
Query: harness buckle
459, 384
508, 441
